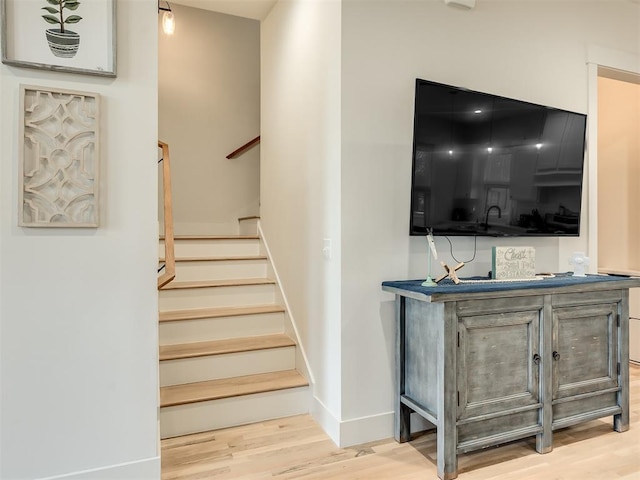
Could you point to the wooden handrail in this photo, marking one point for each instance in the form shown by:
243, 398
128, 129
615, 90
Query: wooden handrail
169, 249
244, 147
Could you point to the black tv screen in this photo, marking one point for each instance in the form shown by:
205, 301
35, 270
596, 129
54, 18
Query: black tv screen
494, 166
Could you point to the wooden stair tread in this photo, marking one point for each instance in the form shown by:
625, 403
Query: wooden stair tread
220, 347
213, 237
218, 259
230, 387
194, 314
218, 283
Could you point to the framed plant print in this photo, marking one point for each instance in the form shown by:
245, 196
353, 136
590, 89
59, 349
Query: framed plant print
75, 36
59, 153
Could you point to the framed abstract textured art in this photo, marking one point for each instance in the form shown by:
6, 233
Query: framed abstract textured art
59, 151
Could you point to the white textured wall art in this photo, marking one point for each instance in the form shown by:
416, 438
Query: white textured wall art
59, 158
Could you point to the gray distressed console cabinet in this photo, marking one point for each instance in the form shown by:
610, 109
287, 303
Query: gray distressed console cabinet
491, 362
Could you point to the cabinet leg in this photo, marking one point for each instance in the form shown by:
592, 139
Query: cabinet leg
447, 456
621, 422
447, 433
448, 476
544, 443
402, 420
402, 430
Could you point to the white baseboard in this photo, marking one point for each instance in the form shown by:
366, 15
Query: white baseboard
290, 323
147, 469
326, 420
366, 429
354, 431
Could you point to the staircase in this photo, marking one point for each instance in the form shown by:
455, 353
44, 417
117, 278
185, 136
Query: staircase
225, 358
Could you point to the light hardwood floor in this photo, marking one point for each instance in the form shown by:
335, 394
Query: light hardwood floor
297, 448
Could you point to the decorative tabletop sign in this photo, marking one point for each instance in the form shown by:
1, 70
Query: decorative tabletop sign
513, 262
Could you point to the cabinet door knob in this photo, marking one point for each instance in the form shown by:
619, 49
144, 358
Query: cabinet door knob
556, 356
536, 358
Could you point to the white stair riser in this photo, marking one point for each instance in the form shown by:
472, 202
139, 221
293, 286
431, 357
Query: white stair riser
204, 329
227, 412
211, 248
210, 297
220, 270
213, 367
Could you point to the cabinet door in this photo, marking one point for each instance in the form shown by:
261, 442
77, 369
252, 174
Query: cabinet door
497, 362
585, 341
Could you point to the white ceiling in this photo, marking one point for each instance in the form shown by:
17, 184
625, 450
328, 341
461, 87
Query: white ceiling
256, 9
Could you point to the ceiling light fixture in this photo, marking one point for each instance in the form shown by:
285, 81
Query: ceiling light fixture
168, 19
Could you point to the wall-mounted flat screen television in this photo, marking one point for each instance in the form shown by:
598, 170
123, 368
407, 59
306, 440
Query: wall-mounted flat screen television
494, 166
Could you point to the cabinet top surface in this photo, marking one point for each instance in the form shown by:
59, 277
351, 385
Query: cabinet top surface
447, 290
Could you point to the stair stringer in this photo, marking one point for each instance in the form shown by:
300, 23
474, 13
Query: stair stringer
290, 327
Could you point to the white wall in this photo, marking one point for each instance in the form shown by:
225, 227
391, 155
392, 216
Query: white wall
78, 307
209, 105
300, 180
534, 51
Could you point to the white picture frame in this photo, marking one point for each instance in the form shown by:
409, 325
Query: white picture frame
86, 44
59, 153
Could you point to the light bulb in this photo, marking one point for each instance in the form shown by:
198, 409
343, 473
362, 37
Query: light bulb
168, 23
